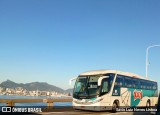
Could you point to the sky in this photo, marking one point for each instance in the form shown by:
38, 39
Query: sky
55, 40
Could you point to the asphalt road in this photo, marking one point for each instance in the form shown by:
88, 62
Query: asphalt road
76, 112
71, 111
79, 112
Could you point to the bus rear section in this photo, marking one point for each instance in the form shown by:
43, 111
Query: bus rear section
135, 92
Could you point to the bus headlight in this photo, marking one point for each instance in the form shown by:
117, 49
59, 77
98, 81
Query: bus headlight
88, 102
96, 101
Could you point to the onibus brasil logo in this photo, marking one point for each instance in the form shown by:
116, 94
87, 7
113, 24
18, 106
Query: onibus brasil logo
137, 94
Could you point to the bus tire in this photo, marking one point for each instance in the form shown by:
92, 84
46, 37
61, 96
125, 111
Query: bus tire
148, 104
114, 106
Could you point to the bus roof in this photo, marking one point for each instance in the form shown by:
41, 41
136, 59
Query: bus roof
100, 72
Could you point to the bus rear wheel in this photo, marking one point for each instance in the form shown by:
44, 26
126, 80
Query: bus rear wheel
148, 104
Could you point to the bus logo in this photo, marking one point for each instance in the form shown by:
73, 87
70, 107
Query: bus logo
137, 95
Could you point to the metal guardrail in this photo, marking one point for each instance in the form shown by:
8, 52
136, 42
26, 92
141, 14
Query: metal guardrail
50, 102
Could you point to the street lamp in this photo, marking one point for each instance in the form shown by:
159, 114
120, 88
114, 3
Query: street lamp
147, 57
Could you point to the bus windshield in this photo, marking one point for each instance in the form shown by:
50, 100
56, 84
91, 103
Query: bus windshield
87, 87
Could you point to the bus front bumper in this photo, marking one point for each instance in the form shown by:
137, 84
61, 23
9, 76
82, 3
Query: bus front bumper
91, 107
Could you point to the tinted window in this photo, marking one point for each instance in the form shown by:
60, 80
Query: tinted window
148, 85
135, 83
119, 81
154, 85
105, 86
128, 82
107, 83
111, 77
143, 84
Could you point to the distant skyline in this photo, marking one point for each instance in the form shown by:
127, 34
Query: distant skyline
54, 41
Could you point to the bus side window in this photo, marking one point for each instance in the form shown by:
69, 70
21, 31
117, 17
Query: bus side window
135, 83
154, 85
149, 85
119, 81
110, 78
143, 84
105, 86
128, 82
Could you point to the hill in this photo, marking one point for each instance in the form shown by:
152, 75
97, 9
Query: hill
41, 86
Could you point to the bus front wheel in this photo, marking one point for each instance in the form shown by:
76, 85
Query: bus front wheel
114, 106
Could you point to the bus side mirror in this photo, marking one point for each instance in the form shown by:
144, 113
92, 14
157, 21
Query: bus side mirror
70, 81
100, 80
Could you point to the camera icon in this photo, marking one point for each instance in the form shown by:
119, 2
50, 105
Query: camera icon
6, 109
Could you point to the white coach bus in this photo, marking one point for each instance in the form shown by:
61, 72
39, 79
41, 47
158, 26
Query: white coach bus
109, 89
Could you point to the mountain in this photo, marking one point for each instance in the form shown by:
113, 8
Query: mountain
9, 84
41, 86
